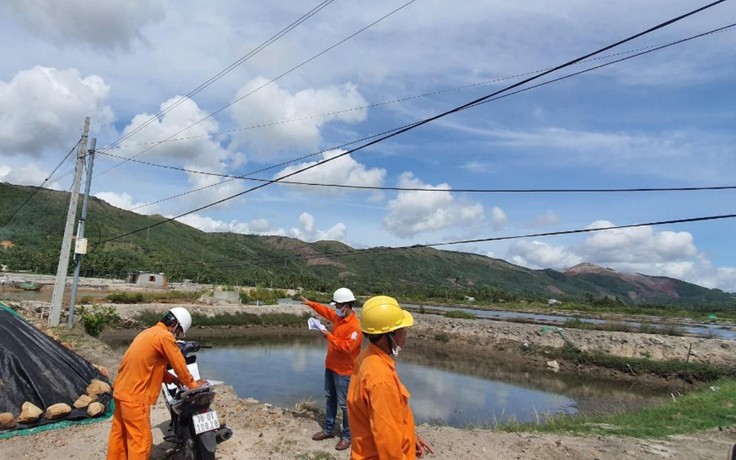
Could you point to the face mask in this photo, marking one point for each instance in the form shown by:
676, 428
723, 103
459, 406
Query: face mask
395, 349
340, 312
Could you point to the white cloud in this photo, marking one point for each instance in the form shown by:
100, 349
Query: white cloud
271, 104
190, 144
636, 245
43, 108
183, 133
479, 166
547, 219
415, 212
124, 201
630, 250
26, 175
309, 232
103, 24
537, 255
498, 218
208, 224
344, 171
307, 221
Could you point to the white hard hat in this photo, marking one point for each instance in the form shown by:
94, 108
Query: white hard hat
342, 295
182, 315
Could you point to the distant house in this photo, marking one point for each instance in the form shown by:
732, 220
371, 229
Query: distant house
147, 280
553, 302
6, 244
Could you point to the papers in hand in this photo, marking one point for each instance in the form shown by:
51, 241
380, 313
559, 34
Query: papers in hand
314, 324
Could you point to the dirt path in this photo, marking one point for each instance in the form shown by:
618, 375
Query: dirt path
262, 431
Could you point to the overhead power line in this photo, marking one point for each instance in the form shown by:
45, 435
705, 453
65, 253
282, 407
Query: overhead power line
42, 184
433, 118
635, 52
424, 189
269, 82
231, 177
226, 70
353, 252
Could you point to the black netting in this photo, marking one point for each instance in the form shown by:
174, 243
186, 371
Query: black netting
37, 369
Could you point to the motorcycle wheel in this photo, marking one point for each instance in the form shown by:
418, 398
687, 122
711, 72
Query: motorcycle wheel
186, 450
203, 453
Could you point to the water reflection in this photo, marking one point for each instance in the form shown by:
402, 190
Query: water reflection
284, 371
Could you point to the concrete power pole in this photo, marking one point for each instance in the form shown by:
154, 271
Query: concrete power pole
81, 246
66, 242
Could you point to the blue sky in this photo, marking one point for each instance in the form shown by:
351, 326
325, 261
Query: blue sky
664, 119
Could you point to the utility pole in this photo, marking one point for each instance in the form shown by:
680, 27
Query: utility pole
81, 246
66, 242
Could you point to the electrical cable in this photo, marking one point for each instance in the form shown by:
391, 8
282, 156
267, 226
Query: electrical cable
41, 186
593, 190
231, 177
427, 120
227, 69
638, 52
449, 243
267, 83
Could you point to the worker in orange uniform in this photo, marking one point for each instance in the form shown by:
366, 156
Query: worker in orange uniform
138, 384
343, 346
378, 403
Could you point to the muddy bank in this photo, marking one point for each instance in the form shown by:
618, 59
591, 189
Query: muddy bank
262, 431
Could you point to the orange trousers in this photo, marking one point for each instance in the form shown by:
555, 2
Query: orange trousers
130, 435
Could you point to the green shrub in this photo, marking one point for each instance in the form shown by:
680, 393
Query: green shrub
150, 297
126, 297
459, 314
96, 318
573, 323
442, 337
262, 296
148, 317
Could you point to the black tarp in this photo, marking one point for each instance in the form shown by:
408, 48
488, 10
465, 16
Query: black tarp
38, 369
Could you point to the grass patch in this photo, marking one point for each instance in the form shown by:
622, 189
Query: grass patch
459, 314
152, 297
441, 337
307, 405
644, 328
697, 411
685, 370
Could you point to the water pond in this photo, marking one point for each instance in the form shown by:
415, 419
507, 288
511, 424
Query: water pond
286, 371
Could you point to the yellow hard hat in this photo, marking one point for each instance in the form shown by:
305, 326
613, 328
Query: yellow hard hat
382, 314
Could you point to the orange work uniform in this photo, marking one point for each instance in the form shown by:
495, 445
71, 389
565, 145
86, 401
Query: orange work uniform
137, 387
343, 344
381, 420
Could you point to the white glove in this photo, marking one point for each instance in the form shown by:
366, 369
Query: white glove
315, 325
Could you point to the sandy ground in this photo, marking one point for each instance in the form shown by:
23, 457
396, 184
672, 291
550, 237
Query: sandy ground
262, 431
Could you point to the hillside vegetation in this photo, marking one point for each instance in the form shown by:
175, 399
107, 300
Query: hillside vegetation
33, 233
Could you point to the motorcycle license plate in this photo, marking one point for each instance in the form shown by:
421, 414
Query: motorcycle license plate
205, 422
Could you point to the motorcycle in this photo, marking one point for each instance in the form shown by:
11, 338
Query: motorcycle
195, 427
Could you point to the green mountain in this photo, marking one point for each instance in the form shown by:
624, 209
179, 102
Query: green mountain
32, 224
